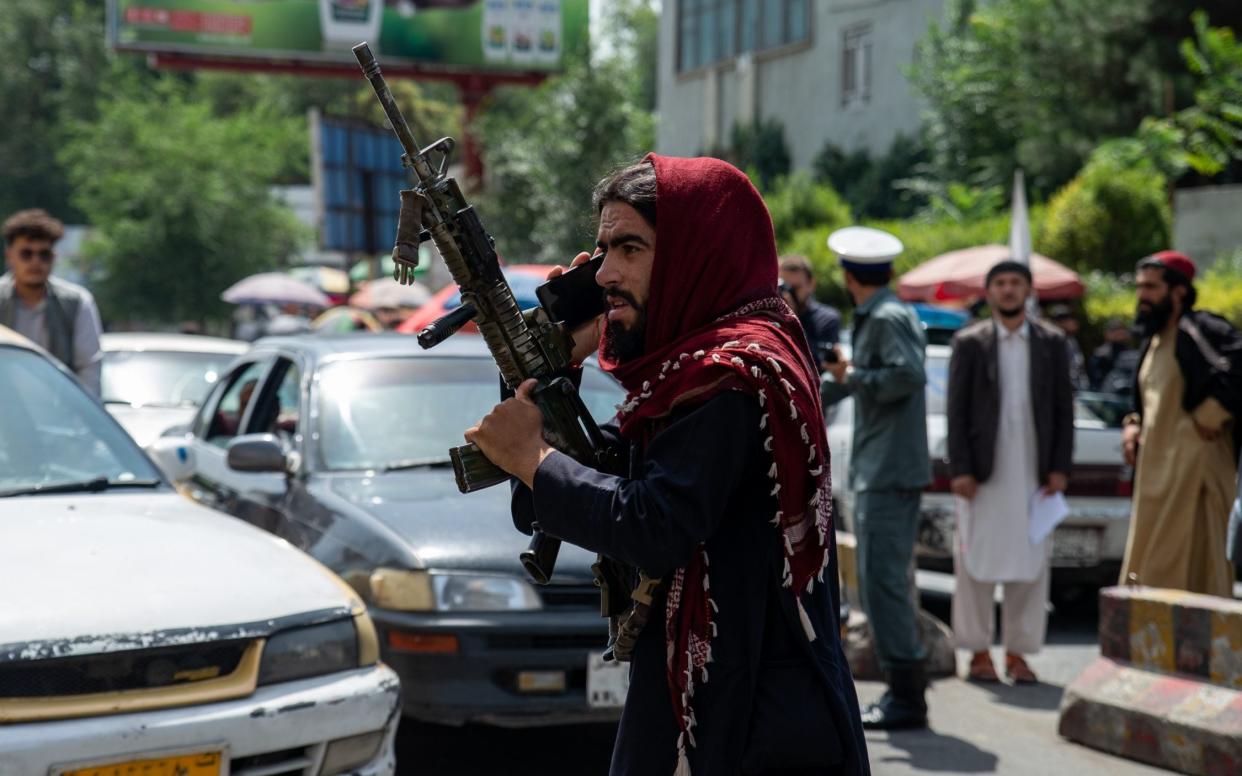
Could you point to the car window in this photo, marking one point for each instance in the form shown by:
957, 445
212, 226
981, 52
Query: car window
228, 415
277, 411
374, 413
160, 378
52, 433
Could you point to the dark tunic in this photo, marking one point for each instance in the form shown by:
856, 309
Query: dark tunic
822, 325
774, 703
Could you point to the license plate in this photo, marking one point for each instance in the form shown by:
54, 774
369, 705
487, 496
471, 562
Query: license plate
607, 683
1076, 546
201, 764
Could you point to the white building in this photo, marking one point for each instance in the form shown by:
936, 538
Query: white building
828, 70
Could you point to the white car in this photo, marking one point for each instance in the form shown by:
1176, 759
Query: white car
1087, 547
154, 382
143, 634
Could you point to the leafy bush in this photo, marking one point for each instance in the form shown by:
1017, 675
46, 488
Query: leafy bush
868, 184
760, 149
798, 202
1108, 217
922, 240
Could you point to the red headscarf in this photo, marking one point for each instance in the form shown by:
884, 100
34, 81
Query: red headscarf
716, 322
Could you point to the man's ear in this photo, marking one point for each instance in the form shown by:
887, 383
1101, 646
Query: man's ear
1178, 293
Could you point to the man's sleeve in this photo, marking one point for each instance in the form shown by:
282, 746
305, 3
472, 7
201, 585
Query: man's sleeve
1062, 412
691, 469
959, 401
901, 371
87, 356
831, 334
522, 505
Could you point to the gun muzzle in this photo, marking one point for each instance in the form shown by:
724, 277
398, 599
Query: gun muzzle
366, 60
445, 326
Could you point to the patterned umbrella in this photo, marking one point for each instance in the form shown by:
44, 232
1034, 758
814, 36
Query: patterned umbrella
274, 288
386, 292
329, 280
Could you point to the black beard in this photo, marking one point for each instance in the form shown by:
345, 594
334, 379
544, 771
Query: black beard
622, 343
1012, 312
1152, 322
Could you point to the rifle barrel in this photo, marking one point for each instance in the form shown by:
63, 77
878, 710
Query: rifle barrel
371, 69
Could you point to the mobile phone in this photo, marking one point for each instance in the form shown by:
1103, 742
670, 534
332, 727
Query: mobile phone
574, 297
827, 354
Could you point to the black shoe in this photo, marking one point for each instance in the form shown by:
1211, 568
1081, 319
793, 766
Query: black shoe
891, 713
903, 707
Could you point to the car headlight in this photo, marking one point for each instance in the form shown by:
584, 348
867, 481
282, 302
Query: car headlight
313, 651
422, 591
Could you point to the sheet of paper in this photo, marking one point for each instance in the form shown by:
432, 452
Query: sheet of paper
1047, 512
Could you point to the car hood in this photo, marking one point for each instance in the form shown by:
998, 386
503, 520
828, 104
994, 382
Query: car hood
106, 572
146, 424
449, 530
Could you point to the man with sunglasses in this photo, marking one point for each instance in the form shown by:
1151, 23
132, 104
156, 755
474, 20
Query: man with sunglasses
55, 314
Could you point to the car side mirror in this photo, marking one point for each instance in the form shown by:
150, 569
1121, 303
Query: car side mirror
174, 455
257, 453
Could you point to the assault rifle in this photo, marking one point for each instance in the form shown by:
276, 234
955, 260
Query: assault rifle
525, 344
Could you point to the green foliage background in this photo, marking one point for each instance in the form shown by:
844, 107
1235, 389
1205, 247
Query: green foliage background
179, 201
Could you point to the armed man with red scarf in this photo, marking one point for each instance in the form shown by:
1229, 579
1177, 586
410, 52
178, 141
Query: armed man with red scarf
739, 669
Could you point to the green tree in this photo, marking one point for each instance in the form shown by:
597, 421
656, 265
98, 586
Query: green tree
545, 148
179, 200
1039, 83
1108, 217
873, 185
53, 61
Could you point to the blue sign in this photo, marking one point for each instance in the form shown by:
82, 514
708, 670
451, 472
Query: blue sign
362, 175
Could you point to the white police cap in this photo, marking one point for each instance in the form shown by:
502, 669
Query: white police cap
865, 248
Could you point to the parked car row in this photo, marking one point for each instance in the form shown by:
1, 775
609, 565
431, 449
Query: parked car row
143, 633
1087, 547
347, 581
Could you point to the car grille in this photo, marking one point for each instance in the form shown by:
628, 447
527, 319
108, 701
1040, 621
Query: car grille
287, 762
112, 672
583, 596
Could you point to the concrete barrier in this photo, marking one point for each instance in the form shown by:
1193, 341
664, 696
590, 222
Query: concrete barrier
1167, 687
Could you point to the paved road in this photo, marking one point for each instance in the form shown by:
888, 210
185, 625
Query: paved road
1010, 731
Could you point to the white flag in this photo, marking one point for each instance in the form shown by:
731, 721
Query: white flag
1019, 222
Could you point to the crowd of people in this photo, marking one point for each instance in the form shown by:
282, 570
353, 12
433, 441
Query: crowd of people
725, 351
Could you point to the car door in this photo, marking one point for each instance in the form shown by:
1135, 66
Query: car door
261, 498
222, 418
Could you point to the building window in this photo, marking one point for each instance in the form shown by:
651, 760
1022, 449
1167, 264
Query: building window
856, 66
711, 31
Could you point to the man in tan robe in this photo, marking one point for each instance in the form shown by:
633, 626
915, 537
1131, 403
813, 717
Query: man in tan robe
1182, 439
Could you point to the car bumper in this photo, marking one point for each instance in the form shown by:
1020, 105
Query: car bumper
1087, 546
506, 670
290, 724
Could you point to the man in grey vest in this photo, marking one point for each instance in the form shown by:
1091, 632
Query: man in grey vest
55, 314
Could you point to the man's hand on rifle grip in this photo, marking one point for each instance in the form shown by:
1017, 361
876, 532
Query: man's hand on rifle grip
511, 435
586, 337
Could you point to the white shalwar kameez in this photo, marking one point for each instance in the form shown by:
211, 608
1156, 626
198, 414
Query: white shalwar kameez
993, 542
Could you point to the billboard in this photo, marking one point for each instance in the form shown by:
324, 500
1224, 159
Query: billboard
477, 35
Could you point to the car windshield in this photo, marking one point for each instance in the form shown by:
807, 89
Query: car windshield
160, 378
381, 413
52, 435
